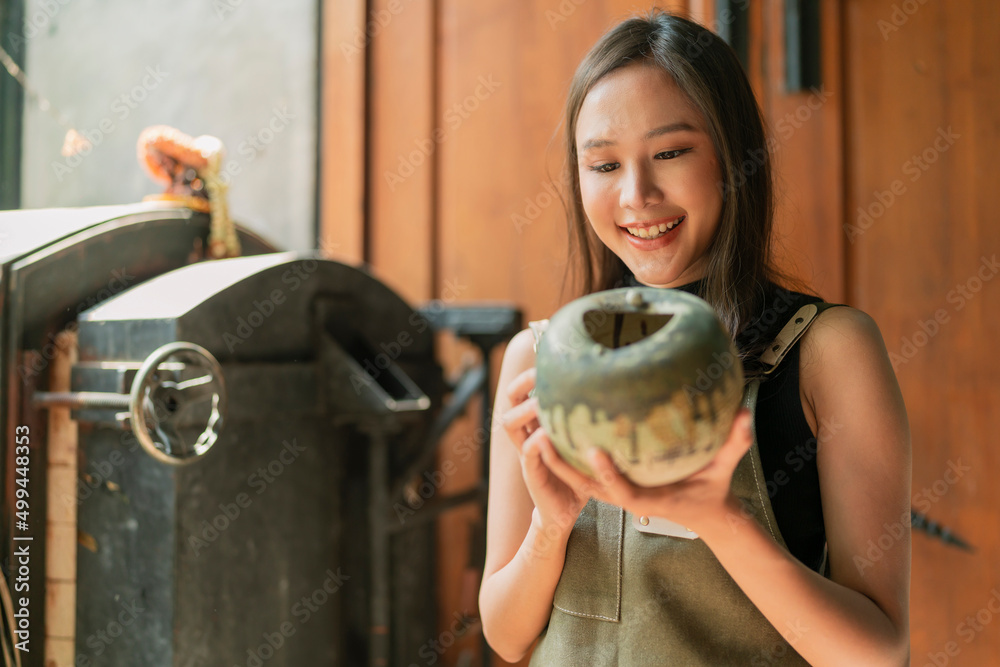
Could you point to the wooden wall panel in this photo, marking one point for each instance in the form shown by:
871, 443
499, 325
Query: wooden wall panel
342, 130
501, 230
404, 141
806, 130
921, 228
702, 11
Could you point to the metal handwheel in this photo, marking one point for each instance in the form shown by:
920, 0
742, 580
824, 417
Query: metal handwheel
178, 389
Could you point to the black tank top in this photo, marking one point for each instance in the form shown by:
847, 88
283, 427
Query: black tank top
787, 445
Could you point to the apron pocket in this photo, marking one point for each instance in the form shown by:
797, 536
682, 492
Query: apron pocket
591, 581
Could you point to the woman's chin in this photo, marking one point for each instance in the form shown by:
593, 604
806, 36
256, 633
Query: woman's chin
666, 274
656, 278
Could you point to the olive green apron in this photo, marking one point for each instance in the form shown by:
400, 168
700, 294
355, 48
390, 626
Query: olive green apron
628, 597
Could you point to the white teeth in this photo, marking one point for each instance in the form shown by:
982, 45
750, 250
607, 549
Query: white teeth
646, 233
655, 231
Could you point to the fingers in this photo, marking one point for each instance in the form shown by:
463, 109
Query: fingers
564, 471
517, 390
606, 483
531, 454
606, 473
609, 485
521, 421
521, 415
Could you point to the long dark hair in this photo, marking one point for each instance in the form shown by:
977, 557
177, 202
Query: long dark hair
740, 263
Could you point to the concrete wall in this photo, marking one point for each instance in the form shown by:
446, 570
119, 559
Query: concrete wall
241, 70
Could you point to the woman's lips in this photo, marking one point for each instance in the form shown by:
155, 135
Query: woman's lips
658, 235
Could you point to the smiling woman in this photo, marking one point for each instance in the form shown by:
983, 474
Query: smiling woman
647, 169
713, 569
672, 80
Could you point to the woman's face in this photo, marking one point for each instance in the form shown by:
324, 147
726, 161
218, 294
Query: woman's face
649, 175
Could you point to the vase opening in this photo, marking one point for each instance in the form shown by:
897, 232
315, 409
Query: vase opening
615, 330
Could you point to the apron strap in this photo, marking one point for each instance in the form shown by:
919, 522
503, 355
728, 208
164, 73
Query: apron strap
771, 358
791, 333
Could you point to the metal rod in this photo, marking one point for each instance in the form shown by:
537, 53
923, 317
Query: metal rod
82, 399
378, 462
433, 509
486, 414
487, 425
471, 382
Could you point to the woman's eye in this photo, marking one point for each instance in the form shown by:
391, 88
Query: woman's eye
670, 155
608, 167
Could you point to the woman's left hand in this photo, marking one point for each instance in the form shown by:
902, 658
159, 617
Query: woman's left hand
702, 501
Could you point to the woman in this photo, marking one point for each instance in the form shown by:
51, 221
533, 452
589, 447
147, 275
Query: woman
671, 188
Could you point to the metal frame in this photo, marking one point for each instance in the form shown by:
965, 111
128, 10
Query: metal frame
11, 106
485, 327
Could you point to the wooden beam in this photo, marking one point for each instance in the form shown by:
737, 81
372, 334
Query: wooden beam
406, 137
344, 45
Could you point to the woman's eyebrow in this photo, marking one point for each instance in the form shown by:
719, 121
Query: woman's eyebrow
681, 126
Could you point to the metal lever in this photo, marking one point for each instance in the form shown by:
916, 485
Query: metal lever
178, 388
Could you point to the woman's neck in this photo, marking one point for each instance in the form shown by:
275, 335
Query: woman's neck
693, 287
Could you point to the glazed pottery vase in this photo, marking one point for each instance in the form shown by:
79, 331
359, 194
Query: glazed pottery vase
649, 375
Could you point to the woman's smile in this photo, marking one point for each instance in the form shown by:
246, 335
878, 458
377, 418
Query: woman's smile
642, 235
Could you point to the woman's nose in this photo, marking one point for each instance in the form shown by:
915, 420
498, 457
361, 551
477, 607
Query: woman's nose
639, 189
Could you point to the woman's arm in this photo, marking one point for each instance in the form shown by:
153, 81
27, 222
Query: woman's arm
525, 545
860, 615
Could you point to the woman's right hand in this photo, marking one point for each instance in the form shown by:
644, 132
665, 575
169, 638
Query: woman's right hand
557, 505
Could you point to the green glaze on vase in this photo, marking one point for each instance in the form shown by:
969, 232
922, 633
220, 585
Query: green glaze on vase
649, 375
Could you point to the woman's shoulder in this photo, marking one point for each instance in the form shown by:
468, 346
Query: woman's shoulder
780, 304
836, 324
520, 352
834, 331
843, 336
843, 348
